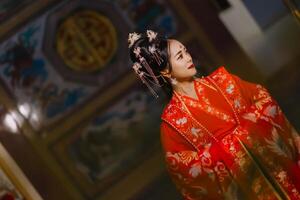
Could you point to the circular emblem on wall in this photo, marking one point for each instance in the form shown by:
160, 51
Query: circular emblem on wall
86, 41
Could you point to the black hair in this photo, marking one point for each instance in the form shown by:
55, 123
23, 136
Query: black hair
162, 45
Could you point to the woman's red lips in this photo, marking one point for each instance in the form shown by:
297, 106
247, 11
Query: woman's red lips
191, 66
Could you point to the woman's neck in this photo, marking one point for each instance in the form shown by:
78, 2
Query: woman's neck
185, 86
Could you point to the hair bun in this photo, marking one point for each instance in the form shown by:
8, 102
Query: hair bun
149, 53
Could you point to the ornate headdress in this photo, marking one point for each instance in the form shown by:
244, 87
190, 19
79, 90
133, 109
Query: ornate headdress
137, 66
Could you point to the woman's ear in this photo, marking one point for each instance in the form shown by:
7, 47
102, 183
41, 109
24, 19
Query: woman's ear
166, 73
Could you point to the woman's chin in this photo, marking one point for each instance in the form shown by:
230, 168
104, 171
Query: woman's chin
194, 71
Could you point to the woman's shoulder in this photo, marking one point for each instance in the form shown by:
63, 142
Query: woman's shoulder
219, 71
221, 75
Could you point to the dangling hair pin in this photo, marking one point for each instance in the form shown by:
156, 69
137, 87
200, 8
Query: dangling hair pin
132, 38
137, 52
151, 35
148, 77
155, 53
143, 76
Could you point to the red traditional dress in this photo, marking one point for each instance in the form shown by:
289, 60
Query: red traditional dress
233, 142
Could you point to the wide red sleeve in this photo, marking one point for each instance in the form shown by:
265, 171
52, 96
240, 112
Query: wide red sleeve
263, 107
194, 173
252, 92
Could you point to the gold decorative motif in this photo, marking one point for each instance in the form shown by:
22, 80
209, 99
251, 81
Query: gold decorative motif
86, 41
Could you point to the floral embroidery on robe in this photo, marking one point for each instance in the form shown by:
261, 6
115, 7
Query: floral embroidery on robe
255, 156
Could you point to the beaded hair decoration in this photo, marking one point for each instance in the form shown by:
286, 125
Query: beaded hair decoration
146, 76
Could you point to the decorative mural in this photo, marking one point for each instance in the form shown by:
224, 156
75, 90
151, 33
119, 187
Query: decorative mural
107, 147
58, 74
58, 63
75, 49
30, 79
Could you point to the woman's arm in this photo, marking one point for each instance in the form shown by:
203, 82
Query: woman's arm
264, 107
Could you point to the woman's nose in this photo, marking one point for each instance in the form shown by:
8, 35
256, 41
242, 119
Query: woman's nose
188, 57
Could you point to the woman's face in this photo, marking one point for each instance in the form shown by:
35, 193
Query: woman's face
181, 61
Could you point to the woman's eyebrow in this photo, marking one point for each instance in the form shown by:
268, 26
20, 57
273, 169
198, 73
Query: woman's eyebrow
178, 53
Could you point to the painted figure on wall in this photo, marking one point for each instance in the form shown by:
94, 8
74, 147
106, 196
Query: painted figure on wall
21, 67
26, 73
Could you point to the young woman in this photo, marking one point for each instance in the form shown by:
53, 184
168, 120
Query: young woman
224, 138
